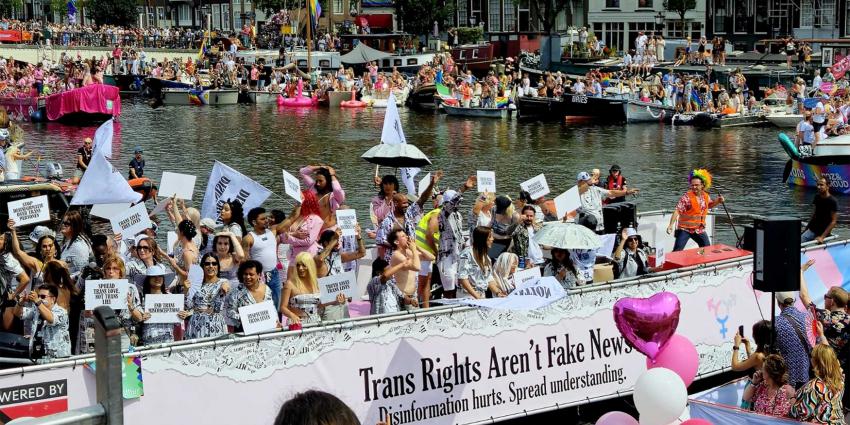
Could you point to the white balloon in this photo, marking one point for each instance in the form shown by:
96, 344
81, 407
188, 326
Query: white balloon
660, 396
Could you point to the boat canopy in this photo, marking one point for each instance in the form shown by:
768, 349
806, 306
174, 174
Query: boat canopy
363, 54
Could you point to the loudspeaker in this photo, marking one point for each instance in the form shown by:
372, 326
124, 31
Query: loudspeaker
749, 241
776, 257
619, 215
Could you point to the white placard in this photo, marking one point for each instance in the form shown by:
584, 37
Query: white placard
423, 184
486, 181
195, 278
107, 211
160, 207
29, 210
111, 293
536, 186
347, 221
182, 185
171, 239
660, 254
521, 277
258, 317
607, 248
292, 186
163, 308
330, 286
132, 221
567, 202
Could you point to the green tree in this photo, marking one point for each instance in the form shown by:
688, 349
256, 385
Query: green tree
681, 7
273, 6
417, 16
113, 12
8, 7
546, 11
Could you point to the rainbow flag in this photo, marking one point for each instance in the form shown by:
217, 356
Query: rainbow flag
196, 97
696, 100
315, 10
501, 102
606, 81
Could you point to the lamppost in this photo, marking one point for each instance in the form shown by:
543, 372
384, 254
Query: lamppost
659, 21
472, 21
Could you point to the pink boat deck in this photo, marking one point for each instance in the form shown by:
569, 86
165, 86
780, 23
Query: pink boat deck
99, 99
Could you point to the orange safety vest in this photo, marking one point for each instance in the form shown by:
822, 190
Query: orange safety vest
694, 217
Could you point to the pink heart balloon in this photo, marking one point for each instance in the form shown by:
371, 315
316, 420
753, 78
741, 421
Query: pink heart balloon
648, 323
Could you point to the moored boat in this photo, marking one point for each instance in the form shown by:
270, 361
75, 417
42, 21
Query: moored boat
216, 97
89, 104
696, 119
460, 111
422, 97
637, 111
541, 108
262, 96
783, 120
831, 159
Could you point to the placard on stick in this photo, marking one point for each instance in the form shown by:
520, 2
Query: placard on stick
29, 210
107, 211
258, 317
111, 293
567, 202
182, 185
423, 184
131, 222
486, 181
292, 186
330, 286
536, 186
347, 222
163, 308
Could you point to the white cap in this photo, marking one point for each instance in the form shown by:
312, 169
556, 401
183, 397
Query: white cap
630, 231
786, 298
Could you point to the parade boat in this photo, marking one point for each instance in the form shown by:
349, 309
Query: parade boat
90, 104
444, 365
387, 50
541, 108
831, 159
473, 57
200, 97
22, 107
422, 97
460, 111
637, 111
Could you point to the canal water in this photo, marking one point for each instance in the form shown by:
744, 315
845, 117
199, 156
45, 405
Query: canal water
260, 140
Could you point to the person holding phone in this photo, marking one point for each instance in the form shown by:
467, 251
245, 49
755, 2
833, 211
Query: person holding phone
762, 333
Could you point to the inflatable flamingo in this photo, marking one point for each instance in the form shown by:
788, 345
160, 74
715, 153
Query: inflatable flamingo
353, 103
299, 100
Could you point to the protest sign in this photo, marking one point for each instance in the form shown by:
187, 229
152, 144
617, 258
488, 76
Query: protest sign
423, 184
111, 293
607, 248
228, 184
347, 221
330, 286
521, 277
486, 181
182, 185
132, 221
567, 202
258, 318
163, 308
660, 254
29, 210
160, 207
536, 186
292, 186
107, 211
171, 239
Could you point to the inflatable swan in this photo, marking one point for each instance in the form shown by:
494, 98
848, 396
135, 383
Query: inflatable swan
299, 100
353, 103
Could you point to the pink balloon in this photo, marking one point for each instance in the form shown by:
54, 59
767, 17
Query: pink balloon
648, 323
696, 421
616, 418
680, 356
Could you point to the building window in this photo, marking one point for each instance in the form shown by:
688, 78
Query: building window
611, 33
475, 13
807, 16
339, 9
612, 4
524, 16
692, 29
721, 13
462, 16
742, 16
825, 15
494, 10
216, 16
184, 13
160, 17
225, 17
762, 22
644, 4
509, 15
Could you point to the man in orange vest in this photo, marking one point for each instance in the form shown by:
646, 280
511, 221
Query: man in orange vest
691, 211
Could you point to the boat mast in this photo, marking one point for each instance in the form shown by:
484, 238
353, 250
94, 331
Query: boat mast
309, 33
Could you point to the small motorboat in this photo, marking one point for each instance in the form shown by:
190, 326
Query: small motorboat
198, 97
784, 120
697, 119
831, 159
459, 111
637, 111
353, 103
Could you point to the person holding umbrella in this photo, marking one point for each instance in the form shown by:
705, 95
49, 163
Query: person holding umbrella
691, 210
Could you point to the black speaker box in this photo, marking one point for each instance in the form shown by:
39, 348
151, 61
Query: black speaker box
619, 215
776, 257
749, 241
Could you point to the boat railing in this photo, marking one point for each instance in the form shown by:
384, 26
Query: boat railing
109, 409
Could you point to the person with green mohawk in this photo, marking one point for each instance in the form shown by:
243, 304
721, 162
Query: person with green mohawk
691, 210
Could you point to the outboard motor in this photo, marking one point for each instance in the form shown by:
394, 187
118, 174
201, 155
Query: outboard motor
52, 171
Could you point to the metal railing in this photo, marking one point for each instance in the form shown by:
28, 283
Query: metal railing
109, 409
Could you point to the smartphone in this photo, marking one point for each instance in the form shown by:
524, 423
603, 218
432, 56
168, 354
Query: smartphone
741, 330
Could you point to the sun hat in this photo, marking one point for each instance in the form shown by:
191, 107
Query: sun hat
785, 298
155, 270
40, 232
208, 223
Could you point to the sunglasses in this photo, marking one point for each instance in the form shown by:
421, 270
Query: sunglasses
143, 248
66, 223
210, 263
43, 297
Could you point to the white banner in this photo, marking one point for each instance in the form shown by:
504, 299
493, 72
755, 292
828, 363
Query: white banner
131, 222
531, 294
347, 222
260, 317
226, 183
108, 210
423, 184
163, 308
29, 210
112, 293
331, 286
486, 181
407, 175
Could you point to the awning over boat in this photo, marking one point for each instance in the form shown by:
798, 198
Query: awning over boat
362, 54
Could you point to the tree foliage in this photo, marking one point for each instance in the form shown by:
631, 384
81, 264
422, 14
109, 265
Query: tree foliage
546, 11
418, 16
113, 12
8, 6
681, 7
273, 6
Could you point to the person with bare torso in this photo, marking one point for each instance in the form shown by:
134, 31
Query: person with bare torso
327, 189
407, 278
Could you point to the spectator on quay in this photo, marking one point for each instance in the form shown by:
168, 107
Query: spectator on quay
824, 217
792, 328
49, 321
770, 393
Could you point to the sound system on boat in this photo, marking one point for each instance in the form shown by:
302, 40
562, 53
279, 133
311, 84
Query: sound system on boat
776, 254
619, 215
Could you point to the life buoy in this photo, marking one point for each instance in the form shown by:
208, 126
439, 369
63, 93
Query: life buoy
144, 186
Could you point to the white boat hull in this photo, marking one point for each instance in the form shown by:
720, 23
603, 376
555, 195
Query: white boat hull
785, 120
221, 97
262, 96
648, 112
175, 97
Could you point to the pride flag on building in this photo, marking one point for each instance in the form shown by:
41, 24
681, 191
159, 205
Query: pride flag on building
315, 10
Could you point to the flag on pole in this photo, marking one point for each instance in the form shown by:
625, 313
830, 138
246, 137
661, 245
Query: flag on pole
103, 138
101, 184
315, 11
392, 134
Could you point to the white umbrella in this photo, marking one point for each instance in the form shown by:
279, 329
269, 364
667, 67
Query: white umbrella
567, 236
401, 155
